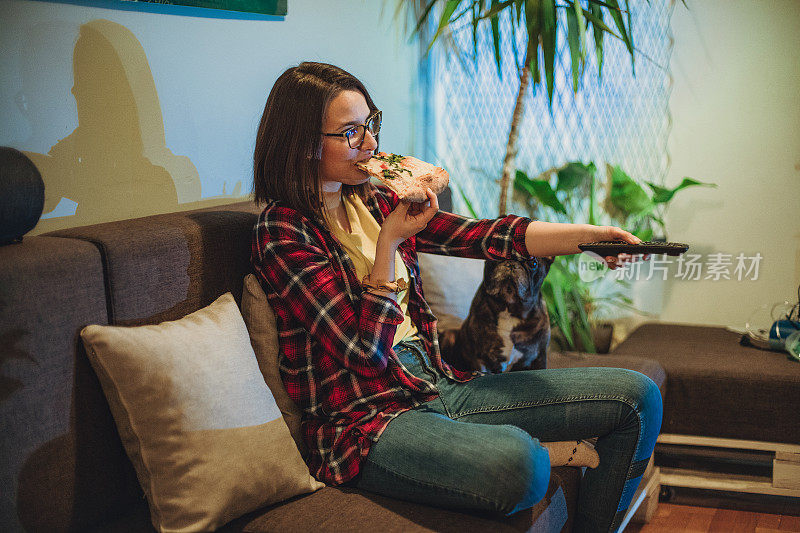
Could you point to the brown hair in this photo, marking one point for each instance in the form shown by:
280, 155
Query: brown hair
285, 161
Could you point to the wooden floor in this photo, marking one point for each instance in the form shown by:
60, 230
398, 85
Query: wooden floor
672, 517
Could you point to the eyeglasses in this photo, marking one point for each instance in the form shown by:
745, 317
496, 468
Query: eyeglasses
355, 134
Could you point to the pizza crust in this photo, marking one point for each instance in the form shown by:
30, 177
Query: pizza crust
405, 175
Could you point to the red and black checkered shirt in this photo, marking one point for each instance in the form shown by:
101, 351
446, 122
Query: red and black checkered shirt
335, 340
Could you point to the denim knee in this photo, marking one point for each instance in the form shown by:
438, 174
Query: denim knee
652, 410
646, 397
524, 474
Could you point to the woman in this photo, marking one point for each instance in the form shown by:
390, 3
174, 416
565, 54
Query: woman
381, 410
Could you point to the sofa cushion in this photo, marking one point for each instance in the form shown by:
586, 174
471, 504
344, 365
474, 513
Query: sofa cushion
203, 431
346, 509
336, 509
260, 320
718, 388
61, 463
450, 283
163, 267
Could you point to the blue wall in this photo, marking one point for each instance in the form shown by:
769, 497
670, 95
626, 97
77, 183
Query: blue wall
130, 109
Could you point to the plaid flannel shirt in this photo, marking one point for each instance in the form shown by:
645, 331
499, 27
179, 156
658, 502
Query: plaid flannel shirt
335, 340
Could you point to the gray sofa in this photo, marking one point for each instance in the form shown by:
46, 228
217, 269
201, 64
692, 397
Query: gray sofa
62, 465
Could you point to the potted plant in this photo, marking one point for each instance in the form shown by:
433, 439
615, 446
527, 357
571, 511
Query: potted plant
570, 193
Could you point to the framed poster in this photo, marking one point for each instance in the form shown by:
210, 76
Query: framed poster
263, 7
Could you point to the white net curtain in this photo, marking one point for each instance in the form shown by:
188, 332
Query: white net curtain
619, 119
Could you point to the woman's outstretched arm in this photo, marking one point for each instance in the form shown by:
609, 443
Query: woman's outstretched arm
555, 238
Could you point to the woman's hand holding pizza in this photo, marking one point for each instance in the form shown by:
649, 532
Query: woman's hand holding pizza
408, 219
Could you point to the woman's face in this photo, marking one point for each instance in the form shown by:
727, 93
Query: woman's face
337, 163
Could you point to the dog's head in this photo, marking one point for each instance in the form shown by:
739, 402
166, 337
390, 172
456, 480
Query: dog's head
516, 281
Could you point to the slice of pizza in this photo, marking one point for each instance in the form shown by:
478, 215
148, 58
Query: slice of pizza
406, 175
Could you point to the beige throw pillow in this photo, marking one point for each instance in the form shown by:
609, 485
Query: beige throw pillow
260, 320
450, 283
197, 420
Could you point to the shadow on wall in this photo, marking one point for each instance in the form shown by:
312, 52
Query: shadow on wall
115, 165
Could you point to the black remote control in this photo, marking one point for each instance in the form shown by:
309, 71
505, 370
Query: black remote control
607, 248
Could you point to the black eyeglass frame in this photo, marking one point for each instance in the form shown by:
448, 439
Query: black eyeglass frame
377, 113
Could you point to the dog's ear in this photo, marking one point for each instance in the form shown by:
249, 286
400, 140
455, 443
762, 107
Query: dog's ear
544, 264
490, 285
488, 269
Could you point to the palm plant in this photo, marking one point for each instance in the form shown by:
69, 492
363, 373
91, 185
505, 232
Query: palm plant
538, 19
571, 301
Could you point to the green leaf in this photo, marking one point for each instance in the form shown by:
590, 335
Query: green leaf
583, 327
524, 184
547, 294
627, 195
514, 43
540, 190
600, 3
444, 20
533, 24
496, 8
566, 298
662, 195
581, 33
424, 16
463, 12
548, 39
630, 35
660, 222
592, 199
533, 65
475, 20
596, 21
616, 14
546, 195
644, 234
574, 41
548, 299
495, 22
563, 317
572, 175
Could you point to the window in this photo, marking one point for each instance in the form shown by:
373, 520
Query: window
619, 118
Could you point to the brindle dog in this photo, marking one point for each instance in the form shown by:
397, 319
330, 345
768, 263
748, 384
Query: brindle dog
508, 327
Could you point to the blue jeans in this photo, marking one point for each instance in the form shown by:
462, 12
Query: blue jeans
477, 446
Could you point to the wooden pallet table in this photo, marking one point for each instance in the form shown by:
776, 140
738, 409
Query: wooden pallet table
784, 481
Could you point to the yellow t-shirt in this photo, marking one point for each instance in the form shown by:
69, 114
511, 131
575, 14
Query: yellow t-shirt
360, 247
